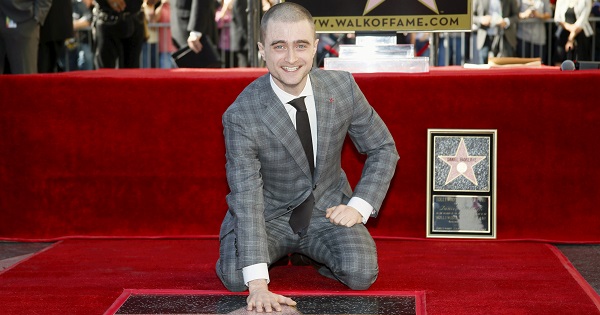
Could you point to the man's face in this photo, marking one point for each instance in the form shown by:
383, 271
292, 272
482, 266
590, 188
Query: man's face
289, 49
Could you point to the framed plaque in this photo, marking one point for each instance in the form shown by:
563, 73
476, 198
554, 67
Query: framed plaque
461, 183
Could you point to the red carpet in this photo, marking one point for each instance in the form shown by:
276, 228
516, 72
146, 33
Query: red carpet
458, 277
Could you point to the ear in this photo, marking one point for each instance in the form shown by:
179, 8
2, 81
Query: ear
261, 50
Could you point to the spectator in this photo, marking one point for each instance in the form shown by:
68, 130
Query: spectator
223, 19
119, 33
80, 55
596, 13
150, 47
531, 31
496, 23
192, 19
19, 34
53, 34
165, 40
573, 36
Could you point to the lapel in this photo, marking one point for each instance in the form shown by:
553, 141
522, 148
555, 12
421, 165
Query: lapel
276, 118
325, 109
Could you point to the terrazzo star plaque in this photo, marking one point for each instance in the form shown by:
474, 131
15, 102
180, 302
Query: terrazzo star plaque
315, 303
461, 181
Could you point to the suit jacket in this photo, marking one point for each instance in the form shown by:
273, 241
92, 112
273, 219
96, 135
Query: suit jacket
23, 10
267, 170
192, 15
510, 10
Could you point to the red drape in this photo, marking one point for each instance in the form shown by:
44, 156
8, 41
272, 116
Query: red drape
140, 152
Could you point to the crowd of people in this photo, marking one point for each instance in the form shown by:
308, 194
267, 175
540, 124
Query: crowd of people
93, 34
508, 28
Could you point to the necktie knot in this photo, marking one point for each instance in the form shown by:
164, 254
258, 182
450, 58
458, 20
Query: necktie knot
298, 104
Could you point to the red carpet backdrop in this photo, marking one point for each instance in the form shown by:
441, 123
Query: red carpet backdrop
140, 152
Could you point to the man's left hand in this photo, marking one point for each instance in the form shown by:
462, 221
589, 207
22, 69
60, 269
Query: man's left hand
343, 215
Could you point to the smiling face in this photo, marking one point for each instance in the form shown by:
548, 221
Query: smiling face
288, 49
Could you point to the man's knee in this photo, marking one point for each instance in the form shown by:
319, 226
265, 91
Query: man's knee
360, 280
232, 279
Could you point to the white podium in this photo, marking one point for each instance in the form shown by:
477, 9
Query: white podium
372, 54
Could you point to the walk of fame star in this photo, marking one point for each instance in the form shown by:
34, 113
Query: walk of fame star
372, 4
461, 164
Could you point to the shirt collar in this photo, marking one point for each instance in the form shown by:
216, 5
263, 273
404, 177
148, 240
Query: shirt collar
285, 97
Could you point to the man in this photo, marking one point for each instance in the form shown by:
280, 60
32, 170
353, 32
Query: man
271, 176
496, 22
119, 33
20, 34
192, 19
57, 28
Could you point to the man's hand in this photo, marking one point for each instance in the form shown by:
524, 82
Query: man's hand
343, 215
486, 20
570, 45
117, 5
526, 14
194, 42
264, 300
502, 23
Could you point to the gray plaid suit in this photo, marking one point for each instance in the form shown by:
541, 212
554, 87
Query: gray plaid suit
268, 176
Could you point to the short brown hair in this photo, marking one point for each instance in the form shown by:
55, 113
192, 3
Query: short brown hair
286, 12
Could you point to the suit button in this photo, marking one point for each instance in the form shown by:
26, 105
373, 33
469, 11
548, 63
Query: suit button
290, 208
314, 187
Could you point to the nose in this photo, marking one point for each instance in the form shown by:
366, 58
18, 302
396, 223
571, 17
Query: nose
291, 56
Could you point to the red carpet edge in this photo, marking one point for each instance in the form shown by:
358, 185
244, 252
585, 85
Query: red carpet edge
585, 286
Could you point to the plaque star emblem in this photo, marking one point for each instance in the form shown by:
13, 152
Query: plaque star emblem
461, 164
372, 4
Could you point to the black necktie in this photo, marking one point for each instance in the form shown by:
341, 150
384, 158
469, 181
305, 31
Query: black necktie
303, 130
300, 217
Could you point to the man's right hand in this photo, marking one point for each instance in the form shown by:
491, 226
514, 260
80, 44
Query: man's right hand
261, 299
194, 43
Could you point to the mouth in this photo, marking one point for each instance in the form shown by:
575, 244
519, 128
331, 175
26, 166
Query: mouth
291, 69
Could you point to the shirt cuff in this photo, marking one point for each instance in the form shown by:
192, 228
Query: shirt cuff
197, 34
363, 207
256, 271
